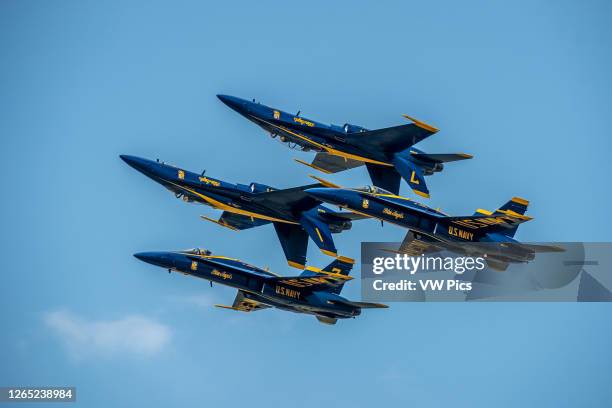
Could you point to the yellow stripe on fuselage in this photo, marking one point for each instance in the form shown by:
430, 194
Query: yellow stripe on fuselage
225, 207
326, 148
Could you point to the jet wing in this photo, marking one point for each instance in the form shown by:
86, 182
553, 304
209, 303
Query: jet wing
349, 216
236, 222
415, 247
244, 304
290, 198
392, 139
329, 163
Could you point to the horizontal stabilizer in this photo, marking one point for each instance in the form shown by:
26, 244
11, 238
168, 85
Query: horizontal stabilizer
363, 305
542, 248
441, 157
384, 177
393, 139
412, 173
319, 232
294, 241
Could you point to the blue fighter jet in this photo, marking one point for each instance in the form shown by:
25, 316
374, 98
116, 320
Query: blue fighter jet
387, 153
315, 291
485, 232
295, 215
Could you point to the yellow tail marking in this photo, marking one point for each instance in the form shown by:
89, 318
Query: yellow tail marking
319, 234
520, 200
296, 265
413, 179
328, 252
422, 194
346, 259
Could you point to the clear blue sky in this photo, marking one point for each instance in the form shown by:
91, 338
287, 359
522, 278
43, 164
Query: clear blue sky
524, 86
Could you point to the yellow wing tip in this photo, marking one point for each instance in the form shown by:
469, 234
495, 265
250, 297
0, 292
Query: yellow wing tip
324, 182
312, 166
219, 223
485, 212
421, 124
329, 253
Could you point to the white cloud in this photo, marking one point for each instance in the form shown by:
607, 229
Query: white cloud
133, 334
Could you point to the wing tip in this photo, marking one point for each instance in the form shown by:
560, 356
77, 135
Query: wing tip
422, 124
223, 224
324, 182
312, 166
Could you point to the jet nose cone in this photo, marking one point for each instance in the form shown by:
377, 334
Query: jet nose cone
224, 98
162, 259
147, 167
328, 195
136, 162
237, 104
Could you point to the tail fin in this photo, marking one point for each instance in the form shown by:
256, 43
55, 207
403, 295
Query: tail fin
339, 267
516, 207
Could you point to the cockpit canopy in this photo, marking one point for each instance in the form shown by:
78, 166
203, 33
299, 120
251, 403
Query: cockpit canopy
348, 128
197, 251
374, 190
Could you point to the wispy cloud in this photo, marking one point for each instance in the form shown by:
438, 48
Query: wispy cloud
134, 334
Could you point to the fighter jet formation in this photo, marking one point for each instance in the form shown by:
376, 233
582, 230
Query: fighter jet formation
302, 213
